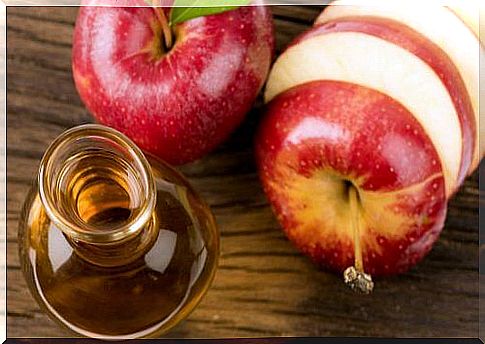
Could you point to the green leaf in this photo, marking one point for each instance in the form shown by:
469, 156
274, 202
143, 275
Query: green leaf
190, 9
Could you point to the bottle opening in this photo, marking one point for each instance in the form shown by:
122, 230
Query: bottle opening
96, 185
99, 189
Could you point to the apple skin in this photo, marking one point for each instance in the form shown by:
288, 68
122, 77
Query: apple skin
318, 138
411, 40
177, 105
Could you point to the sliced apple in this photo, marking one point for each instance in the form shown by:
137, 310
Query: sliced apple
438, 24
375, 63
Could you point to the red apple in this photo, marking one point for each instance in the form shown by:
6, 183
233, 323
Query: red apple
352, 176
372, 125
178, 102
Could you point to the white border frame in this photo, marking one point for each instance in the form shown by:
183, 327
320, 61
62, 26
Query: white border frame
3, 171
3, 119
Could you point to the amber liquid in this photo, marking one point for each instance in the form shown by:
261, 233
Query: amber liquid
149, 282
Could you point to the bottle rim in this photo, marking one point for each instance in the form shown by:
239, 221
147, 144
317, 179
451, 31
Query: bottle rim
84, 233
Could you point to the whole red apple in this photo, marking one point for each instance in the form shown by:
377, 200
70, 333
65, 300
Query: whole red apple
177, 100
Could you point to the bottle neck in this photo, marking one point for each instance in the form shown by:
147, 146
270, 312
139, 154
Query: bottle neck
97, 187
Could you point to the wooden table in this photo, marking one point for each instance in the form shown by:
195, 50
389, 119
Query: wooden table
263, 287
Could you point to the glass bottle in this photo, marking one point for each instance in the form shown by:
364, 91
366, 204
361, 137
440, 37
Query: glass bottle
114, 244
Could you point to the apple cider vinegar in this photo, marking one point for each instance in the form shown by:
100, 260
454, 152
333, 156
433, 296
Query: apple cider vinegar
114, 244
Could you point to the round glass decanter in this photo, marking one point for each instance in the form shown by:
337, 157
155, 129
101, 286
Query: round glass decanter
114, 244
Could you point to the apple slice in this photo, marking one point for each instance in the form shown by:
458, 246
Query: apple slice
352, 176
472, 13
375, 63
469, 12
457, 40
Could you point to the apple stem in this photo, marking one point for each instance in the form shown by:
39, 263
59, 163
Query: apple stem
353, 198
166, 30
354, 276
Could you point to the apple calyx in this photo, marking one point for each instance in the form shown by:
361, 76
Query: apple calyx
358, 281
354, 276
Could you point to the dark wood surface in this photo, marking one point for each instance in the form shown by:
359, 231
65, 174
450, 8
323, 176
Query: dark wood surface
263, 287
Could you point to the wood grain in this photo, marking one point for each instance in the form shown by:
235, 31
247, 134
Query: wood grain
263, 287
